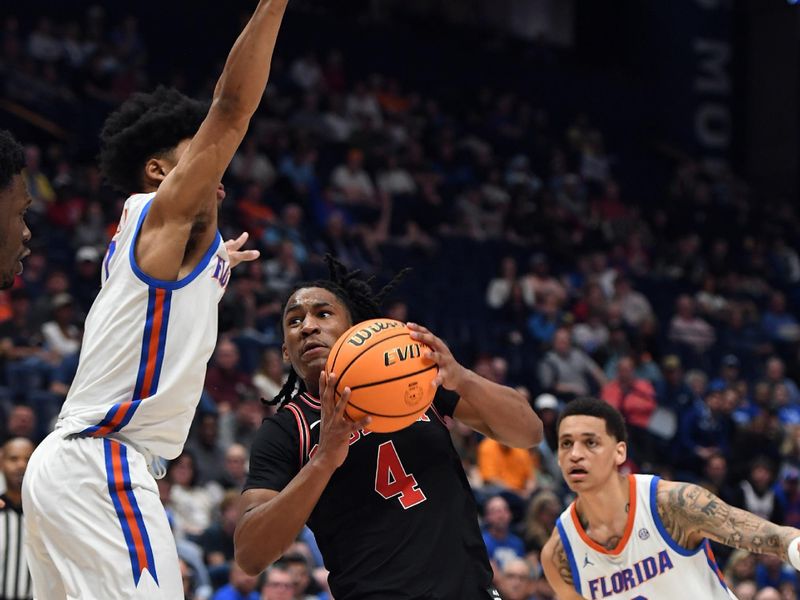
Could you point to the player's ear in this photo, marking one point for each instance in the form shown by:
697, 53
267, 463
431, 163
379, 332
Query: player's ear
156, 170
285, 354
621, 453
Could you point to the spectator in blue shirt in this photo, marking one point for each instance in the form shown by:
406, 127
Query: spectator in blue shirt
501, 544
241, 587
777, 323
704, 430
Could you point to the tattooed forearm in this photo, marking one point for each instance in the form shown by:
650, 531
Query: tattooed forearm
690, 513
562, 562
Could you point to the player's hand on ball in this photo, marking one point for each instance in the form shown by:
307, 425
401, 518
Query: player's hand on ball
451, 372
335, 427
239, 256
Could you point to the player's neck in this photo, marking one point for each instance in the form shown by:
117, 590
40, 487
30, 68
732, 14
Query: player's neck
602, 506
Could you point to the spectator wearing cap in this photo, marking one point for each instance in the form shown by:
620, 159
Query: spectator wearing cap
567, 371
61, 336
729, 375
672, 391
85, 284
548, 408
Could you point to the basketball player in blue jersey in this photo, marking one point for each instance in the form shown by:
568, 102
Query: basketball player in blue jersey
639, 537
393, 513
14, 202
96, 526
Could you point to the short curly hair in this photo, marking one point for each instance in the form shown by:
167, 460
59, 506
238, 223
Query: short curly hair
12, 158
147, 125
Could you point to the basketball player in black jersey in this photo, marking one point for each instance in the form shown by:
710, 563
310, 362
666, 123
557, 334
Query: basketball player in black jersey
14, 202
392, 513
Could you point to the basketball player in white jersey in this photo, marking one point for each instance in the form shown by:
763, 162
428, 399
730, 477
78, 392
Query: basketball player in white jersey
639, 537
96, 526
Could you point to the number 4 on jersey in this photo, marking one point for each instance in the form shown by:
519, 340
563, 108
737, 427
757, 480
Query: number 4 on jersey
392, 480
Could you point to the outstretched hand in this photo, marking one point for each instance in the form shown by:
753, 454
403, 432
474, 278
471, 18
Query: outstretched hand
451, 372
335, 427
239, 256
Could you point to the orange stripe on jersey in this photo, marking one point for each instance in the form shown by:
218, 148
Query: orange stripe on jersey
123, 409
130, 518
628, 526
713, 561
155, 333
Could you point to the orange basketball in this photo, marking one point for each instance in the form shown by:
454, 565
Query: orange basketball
388, 376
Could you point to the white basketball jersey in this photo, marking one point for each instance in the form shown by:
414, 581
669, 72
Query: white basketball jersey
145, 346
647, 564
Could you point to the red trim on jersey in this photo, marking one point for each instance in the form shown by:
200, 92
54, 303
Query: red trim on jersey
628, 527
310, 400
298, 416
438, 416
307, 430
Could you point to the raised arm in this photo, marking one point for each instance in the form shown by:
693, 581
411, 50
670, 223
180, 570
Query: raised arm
556, 569
495, 410
271, 520
186, 201
691, 513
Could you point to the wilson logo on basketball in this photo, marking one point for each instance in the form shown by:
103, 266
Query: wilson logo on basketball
362, 335
413, 393
396, 355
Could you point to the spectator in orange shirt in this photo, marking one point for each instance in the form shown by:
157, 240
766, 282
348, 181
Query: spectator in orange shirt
505, 469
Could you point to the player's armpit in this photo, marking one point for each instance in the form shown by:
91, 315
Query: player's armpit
691, 513
556, 569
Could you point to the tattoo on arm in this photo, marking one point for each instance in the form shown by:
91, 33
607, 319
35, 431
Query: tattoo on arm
562, 562
690, 513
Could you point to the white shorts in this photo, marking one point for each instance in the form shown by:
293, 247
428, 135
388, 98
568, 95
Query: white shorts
95, 526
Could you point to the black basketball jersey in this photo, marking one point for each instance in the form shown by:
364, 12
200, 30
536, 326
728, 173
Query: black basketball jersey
397, 520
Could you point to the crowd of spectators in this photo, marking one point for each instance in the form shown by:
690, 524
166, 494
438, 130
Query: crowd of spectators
678, 308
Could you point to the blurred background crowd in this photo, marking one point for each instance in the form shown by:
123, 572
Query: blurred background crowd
548, 250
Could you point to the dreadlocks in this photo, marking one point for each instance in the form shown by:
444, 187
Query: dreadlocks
355, 292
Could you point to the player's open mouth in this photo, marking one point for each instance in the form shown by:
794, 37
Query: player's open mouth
313, 347
578, 471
